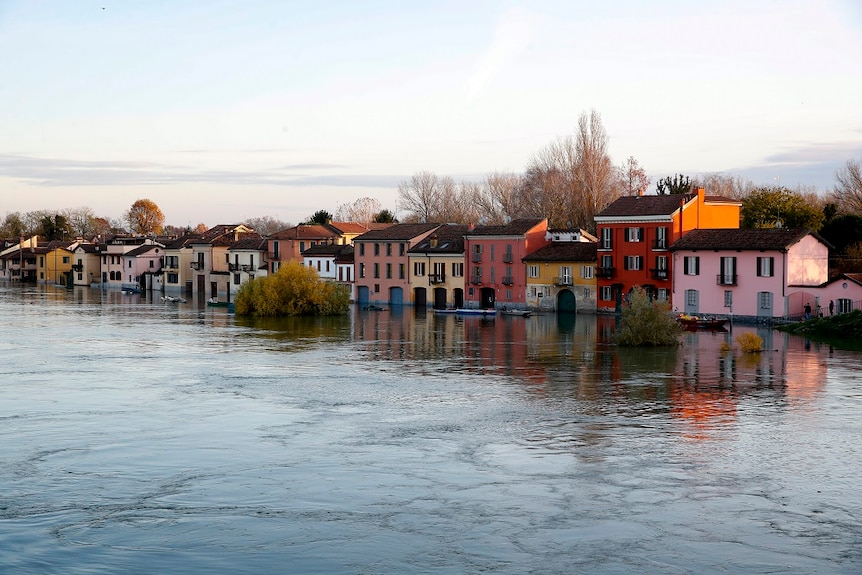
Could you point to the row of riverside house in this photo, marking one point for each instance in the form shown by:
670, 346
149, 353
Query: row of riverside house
684, 249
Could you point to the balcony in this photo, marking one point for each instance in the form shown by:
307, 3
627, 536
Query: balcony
273, 256
660, 244
78, 267
658, 274
563, 281
232, 267
437, 278
196, 265
248, 268
725, 279
508, 280
508, 258
476, 280
477, 258
605, 273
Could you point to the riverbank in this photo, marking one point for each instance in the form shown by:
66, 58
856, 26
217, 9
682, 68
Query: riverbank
843, 325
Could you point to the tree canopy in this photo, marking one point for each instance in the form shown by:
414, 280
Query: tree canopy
319, 217
779, 207
679, 184
145, 217
294, 289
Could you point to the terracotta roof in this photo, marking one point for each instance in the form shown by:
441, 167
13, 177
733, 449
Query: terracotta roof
305, 232
739, 239
655, 205
141, 250
248, 241
349, 227
182, 241
396, 232
564, 252
513, 228
449, 240
231, 239
217, 231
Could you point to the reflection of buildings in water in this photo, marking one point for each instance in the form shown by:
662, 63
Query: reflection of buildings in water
703, 410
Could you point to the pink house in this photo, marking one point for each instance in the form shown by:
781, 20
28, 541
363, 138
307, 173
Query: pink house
497, 277
755, 273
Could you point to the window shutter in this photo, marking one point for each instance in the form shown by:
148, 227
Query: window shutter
696, 265
685, 266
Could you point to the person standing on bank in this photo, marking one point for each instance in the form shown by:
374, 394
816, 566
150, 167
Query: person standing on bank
831, 307
807, 311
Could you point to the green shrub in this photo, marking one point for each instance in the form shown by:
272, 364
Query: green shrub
294, 290
646, 323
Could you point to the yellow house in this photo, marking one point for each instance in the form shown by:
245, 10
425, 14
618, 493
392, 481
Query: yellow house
437, 268
561, 277
54, 262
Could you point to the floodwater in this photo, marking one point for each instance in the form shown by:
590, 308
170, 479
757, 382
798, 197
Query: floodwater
148, 437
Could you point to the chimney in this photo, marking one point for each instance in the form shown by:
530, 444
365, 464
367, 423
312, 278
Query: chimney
433, 241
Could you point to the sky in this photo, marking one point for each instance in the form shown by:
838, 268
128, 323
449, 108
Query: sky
221, 111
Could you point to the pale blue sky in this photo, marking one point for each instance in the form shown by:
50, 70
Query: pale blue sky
224, 110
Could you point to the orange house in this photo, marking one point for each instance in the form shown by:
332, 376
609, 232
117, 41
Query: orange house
635, 234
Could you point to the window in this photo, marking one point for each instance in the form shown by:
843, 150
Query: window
606, 293
533, 271
566, 274
400, 249
361, 249
418, 268
376, 249
691, 265
508, 294
376, 270
766, 267
765, 300
458, 269
173, 278
662, 294
588, 294
606, 241
843, 305
65, 259
607, 261
492, 252
508, 257
388, 249
661, 238
728, 298
376, 288
301, 247
634, 234
634, 262
587, 272
691, 297
362, 270
236, 279
389, 271
728, 271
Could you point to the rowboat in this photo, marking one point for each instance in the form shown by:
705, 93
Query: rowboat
516, 312
701, 322
466, 311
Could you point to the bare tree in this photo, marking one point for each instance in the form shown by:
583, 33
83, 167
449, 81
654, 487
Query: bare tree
420, 196
361, 211
574, 176
82, 221
634, 180
266, 225
848, 190
496, 200
734, 187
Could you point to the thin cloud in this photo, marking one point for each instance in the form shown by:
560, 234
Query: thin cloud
511, 37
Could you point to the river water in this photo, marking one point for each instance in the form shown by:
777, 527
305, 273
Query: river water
148, 437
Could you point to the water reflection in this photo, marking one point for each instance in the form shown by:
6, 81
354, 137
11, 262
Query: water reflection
569, 357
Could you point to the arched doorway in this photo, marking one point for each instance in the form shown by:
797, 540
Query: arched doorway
458, 298
362, 295
566, 301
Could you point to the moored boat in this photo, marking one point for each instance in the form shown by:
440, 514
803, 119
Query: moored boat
701, 322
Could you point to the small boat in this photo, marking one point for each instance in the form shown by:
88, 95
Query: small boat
131, 289
445, 310
214, 302
701, 322
374, 308
475, 311
173, 299
516, 312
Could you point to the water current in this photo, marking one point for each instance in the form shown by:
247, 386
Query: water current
138, 436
